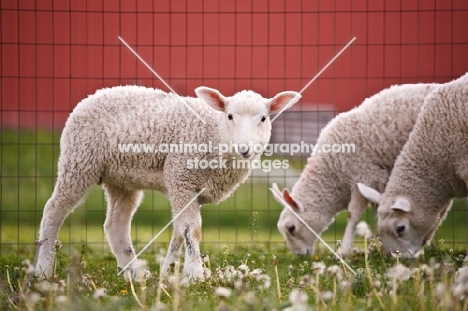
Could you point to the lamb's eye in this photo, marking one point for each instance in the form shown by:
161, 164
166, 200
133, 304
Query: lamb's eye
263, 119
230, 116
400, 229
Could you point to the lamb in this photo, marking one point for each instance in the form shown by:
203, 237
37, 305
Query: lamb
111, 117
431, 170
378, 128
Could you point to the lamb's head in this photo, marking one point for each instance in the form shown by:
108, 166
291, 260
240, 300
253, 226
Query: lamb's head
299, 238
402, 227
245, 124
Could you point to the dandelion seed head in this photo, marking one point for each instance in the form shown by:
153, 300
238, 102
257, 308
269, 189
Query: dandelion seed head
255, 273
244, 269
222, 292
362, 229
160, 258
46, 287
399, 273
265, 281
344, 285
250, 298
238, 285
319, 267
297, 297
335, 271
441, 289
32, 299
61, 300
100, 293
326, 296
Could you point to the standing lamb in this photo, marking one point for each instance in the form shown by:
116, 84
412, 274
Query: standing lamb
378, 128
431, 170
90, 155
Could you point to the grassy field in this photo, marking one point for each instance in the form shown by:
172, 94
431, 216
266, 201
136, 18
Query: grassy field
28, 161
238, 235
243, 279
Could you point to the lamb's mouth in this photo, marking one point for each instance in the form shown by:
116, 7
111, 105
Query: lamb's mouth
247, 155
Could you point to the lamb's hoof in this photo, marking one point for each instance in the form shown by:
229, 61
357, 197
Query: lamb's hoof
138, 271
197, 274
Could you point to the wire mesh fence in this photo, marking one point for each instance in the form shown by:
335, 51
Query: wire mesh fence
55, 53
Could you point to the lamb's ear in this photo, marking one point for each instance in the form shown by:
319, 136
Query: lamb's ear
369, 193
281, 100
402, 205
296, 206
212, 97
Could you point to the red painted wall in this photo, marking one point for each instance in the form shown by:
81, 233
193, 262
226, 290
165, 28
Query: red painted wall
54, 53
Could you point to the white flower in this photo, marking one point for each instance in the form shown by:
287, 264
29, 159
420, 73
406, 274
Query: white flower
32, 299
326, 296
335, 271
244, 269
399, 273
426, 269
362, 229
140, 271
345, 285
231, 274
61, 299
250, 298
223, 292
28, 267
319, 267
100, 293
297, 297
46, 287
255, 273
265, 281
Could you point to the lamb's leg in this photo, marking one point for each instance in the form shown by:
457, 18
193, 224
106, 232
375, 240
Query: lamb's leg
173, 252
63, 200
121, 205
187, 227
355, 209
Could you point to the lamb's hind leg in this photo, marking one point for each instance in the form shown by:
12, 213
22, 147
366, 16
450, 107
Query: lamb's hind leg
121, 205
64, 199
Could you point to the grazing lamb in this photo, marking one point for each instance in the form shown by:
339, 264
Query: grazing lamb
431, 170
90, 154
378, 128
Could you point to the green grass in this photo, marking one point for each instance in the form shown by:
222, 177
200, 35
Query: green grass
241, 230
28, 161
428, 285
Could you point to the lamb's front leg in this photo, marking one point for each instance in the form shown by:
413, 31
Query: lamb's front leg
187, 228
355, 209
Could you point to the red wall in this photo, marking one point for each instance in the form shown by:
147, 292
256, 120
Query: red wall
54, 53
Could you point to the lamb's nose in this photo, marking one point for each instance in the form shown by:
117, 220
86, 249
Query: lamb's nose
244, 150
291, 228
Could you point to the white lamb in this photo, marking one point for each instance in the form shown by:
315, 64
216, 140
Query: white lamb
378, 128
431, 170
133, 114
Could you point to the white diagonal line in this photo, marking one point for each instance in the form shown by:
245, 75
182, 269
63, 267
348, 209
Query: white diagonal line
314, 78
160, 232
161, 79
279, 198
